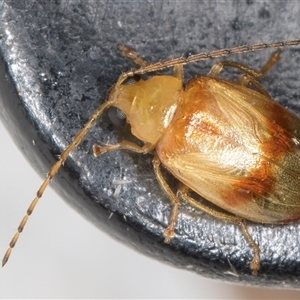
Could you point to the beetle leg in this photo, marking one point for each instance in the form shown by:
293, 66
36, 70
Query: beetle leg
274, 58
169, 232
131, 54
245, 79
178, 72
255, 263
250, 75
126, 145
218, 67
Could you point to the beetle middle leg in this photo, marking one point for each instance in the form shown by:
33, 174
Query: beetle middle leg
251, 75
169, 231
246, 79
218, 67
99, 150
226, 217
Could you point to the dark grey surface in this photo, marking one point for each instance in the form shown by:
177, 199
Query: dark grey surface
62, 59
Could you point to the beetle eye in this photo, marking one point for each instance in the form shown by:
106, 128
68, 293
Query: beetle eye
116, 116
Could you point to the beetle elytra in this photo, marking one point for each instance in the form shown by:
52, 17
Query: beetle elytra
225, 141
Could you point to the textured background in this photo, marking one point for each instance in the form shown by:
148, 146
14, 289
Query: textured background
62, 57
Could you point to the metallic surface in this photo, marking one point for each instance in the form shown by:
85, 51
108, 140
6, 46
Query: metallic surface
59, 60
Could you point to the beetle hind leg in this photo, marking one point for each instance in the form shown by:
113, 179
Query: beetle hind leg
182, 192
255, 262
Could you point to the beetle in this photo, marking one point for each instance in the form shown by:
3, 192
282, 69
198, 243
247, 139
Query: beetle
228, 142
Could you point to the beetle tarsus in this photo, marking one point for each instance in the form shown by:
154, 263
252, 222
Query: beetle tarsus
169, 234
255, 263
99, 150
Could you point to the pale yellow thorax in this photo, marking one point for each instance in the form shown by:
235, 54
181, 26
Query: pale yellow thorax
149, 105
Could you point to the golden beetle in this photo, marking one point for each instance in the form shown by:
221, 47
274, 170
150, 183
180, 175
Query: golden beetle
228, 142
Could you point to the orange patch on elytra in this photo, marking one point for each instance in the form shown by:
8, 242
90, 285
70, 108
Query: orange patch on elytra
260, 181
235, 197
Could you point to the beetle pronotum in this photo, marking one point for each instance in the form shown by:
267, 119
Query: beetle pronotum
225, 141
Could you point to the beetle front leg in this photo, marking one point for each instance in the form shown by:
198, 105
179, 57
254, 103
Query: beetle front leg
99, 150
255, 263
131, 54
